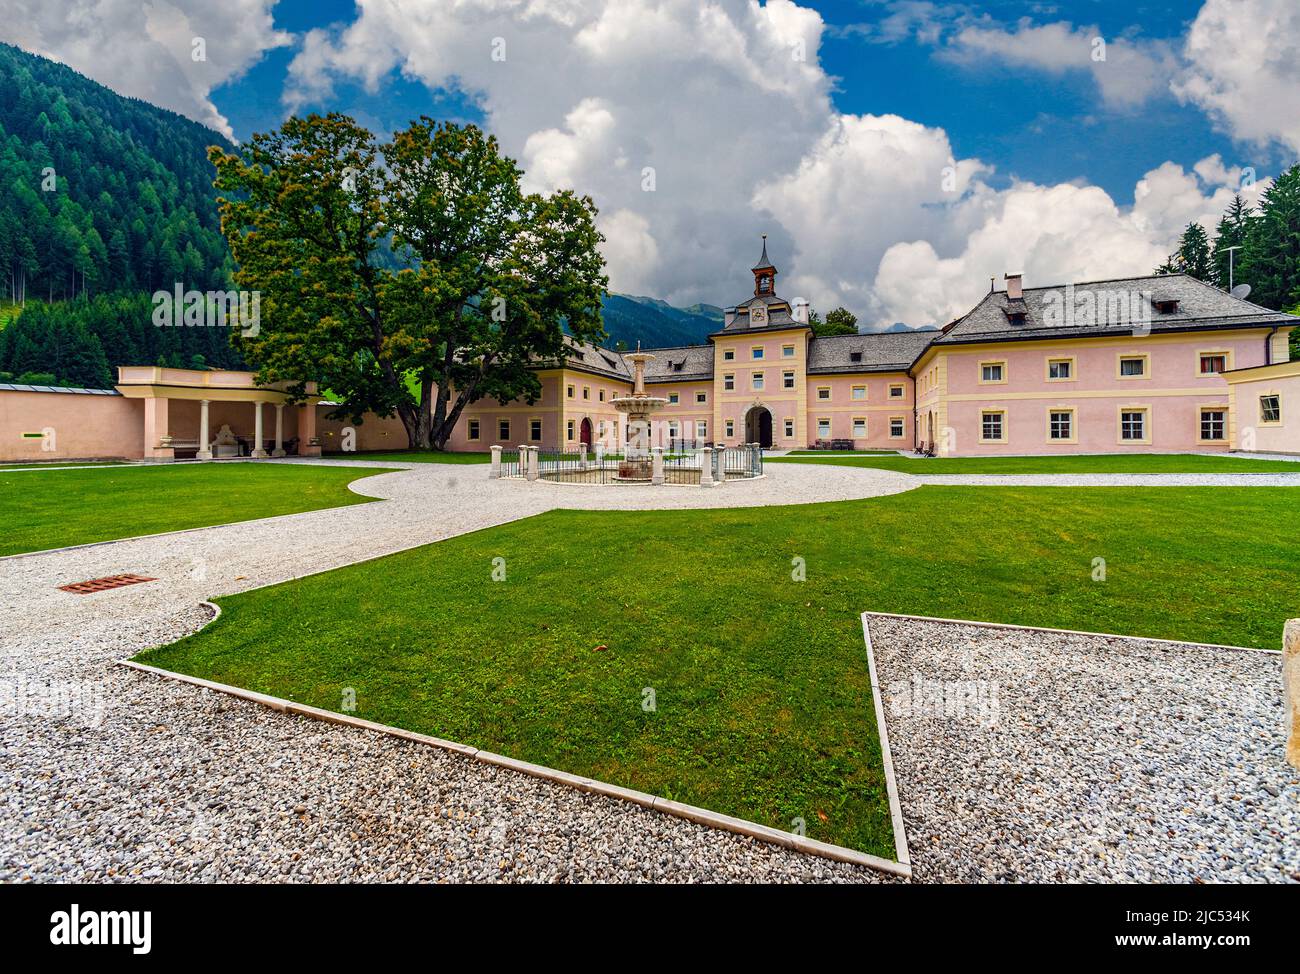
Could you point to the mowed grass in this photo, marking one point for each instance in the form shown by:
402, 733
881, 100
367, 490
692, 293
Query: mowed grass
61, 465
761, 694
414, 456
80, 506
1105, 463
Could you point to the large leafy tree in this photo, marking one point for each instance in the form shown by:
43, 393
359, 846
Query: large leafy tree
413, 277
839, 321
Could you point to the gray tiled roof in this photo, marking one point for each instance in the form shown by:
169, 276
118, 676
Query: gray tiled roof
10, 387
602, 361
680, 364
1200, 306
891, 351
780, 316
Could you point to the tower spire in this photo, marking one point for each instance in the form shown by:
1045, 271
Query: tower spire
764, 273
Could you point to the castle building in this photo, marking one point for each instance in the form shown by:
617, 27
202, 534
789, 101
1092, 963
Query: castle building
1146, 364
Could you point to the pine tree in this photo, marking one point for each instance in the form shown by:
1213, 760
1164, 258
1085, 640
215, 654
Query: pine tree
1192, 256
1270, 262
1230, 233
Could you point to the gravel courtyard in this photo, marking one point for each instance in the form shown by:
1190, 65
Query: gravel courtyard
1027, 756
149, 779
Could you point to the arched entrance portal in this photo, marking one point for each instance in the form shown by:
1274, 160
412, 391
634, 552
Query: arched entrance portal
758, 426
584, 434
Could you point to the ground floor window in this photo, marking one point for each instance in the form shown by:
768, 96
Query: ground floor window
1060, 425
503, 430
896, 427
569, 429
859, 427
701, 429
1133, 424
789, 428
731, 428
672, 429
1270, 409
535, 430
824, 429
992, 426
1214, 424
473, 429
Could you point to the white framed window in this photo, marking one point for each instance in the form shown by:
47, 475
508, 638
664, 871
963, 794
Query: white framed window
757, 352
731, 428
993, 426
674, 398
787, 351
757, 381
1212, 363
473, 429
1270, 408
1214, 424
729, 382
787, 380
789, 428
993, 372
896, 391
859, 427
1133, 425
824, 428
569, 429
673, 429
859, 393
896, 427
570, 391
824, 393
1060, 424
1132, 366
1060, 369
728, 355
701, 397
701, 429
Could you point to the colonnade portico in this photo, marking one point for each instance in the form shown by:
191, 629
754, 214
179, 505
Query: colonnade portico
170, 426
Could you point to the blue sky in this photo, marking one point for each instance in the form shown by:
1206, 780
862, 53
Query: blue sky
898, 153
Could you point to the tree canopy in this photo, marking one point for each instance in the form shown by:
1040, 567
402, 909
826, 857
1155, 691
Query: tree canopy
420, 257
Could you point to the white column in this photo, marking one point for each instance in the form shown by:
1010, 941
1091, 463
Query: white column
657, 465
279, 430
258, 452
534, 471
495, 472
205, 439
706, 467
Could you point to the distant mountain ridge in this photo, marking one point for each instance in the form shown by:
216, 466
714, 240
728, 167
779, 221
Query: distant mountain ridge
654, 323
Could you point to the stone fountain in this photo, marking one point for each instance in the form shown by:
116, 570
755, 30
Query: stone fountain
636, 463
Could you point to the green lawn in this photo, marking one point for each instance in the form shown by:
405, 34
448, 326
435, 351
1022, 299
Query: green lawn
763, 702
81, 506
1107, 463
61, 465
414, 456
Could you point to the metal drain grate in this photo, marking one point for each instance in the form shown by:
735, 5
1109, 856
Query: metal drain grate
103, 584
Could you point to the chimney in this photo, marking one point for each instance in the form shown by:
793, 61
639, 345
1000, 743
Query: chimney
1014, 288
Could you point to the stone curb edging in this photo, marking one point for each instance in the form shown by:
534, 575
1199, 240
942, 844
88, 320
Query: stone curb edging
1066, 632
886, 757
693, 813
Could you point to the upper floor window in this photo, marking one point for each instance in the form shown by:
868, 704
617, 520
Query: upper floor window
859, 392
993, 371
787, 380
728, 382
1132, 366
701, 397
674, 398
787, 351
1214, 363
757, 378
757, 351
1059, 369
728, 355
896, 391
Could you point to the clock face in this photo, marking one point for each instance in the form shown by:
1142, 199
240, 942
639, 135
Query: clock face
758, 315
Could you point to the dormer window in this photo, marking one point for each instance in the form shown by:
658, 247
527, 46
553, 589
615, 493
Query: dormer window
1016, 317
855, 356
1165, 306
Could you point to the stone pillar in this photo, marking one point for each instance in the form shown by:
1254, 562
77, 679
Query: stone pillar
280, 431
258, 452
582, 463
534, 469
706, 467
495, 472
157, 435
205, 437
600, 455
308, 441
1291, 689
657, 465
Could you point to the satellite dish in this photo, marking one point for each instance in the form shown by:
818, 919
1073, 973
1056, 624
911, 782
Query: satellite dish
1240, 291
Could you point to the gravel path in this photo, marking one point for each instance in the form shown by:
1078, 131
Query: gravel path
143, 778
1026, 756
